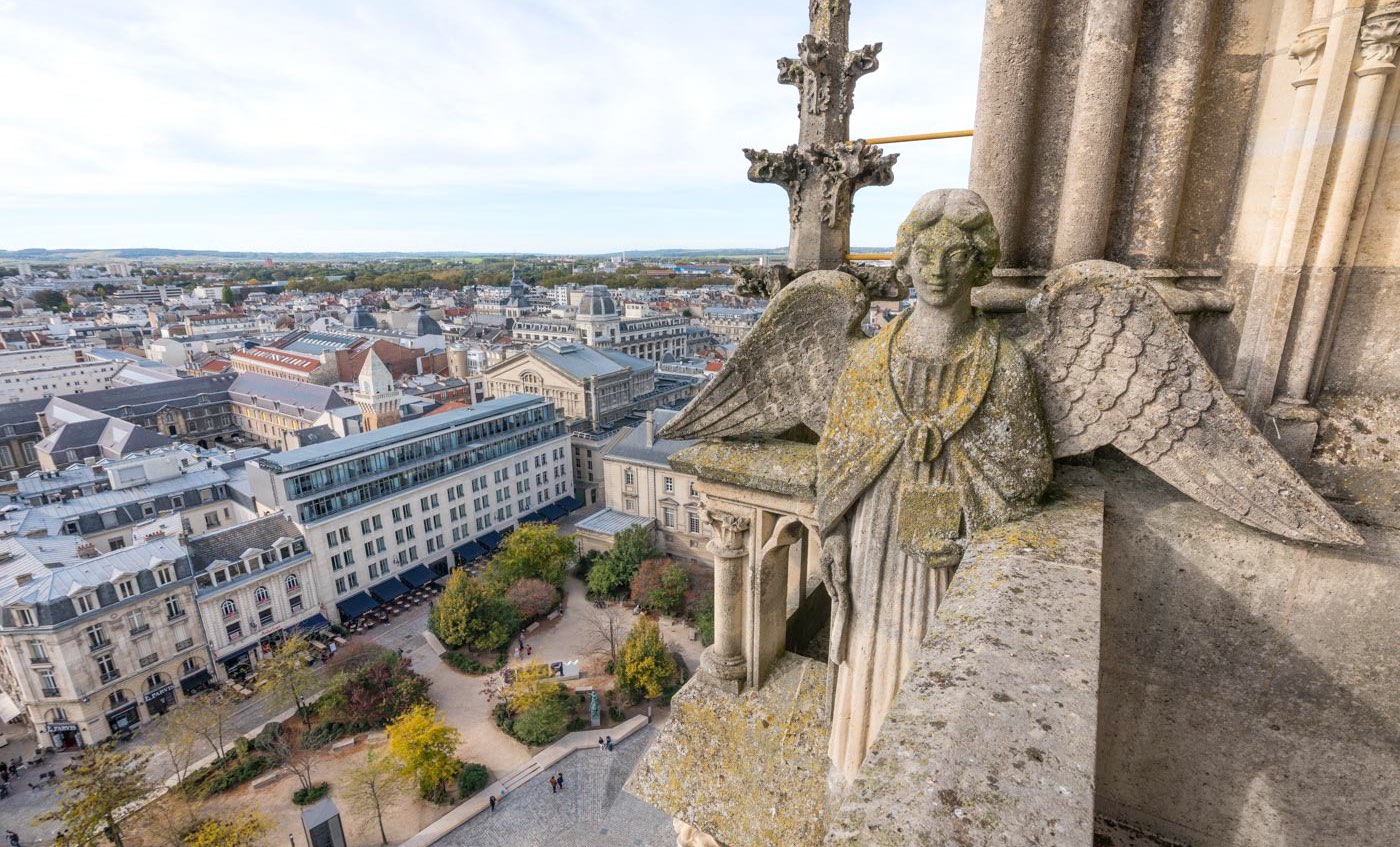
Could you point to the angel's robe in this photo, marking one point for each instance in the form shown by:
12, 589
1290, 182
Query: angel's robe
989, 454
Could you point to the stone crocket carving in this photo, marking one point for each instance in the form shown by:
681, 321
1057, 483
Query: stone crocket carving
940, 426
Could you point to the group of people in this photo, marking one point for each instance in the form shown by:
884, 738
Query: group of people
605, 743
556, 783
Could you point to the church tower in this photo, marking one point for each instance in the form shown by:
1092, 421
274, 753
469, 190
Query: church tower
376, 395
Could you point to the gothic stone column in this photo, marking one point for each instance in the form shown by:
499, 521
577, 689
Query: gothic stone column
723, 661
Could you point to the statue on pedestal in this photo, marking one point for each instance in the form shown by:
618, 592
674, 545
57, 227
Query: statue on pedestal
941, 425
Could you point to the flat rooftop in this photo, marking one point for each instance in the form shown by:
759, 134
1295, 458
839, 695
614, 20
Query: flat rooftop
353, 445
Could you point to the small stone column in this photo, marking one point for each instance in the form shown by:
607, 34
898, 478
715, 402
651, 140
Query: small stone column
1380, 41
723, 661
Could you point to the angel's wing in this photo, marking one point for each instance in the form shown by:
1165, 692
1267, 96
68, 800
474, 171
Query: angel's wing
1115, 367
785, 368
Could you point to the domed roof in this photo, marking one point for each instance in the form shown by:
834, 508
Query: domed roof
597, 302
423, 323
360, 318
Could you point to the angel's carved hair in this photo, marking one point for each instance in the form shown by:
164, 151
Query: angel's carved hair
964, 209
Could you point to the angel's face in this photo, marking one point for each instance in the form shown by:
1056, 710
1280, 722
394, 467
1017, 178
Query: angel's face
942, 266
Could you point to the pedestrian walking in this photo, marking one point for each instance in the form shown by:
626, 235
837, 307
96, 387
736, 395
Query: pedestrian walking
553, 785
493, 804
609, 743
12, 837
600, 744
560, 777
529, 649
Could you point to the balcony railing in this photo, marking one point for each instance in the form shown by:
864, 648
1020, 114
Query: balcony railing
137, 630
40, 660
49, 692
94, 646
184, 645
175, 616
110, 676
149, 659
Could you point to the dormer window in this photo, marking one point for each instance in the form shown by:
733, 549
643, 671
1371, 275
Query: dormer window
127, 588
85, 602
25, 616
164, 576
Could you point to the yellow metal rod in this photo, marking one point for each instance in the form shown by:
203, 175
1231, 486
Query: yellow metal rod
869, 256
927, 136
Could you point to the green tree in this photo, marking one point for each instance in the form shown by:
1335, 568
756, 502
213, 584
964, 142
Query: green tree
644, 666
228, 296
468, 613
531, 685
52, 301
92, 794
533, 551
373, 787
616, 568
425, 748
542, 724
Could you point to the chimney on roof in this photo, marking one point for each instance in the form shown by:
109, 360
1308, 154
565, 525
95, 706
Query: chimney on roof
650, 429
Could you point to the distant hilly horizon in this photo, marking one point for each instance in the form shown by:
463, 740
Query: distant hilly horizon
77, 254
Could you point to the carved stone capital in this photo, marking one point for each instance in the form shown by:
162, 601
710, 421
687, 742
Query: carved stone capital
765, 281
845, 167
790, 72
788, 169
1380, 41
814, 54
857, 64
1307, 50
728, 533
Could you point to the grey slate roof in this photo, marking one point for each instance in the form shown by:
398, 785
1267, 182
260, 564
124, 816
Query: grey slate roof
579, 361
145, 399
229, 544
285, 396
633, 446
92, 573
611, 522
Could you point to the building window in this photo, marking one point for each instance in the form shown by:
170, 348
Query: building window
693, 523
229, 608
629, 477
173, 609
26, 616
164, 576
97, 636
211, 520
265, 617
107, 668
48, 683
668, 517
126, 588
340, 585
293, 582
190, 666
137, 621
260, 595
295, 603
669, 484
353, 580
116, 543
234, 631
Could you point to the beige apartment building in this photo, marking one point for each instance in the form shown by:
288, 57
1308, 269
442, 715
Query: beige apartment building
638, 480
96, 647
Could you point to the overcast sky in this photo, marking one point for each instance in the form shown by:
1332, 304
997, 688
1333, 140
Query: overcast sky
517, 125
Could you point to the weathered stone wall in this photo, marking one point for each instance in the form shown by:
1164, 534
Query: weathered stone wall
1248, 686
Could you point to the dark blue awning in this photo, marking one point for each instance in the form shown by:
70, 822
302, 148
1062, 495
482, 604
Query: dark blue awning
469, 552
311, 624
417, 575
236, 653
490, 540
534, 517
389, 589
552, 512
356, 605
570, 503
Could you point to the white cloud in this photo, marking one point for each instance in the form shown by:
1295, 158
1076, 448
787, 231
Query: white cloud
117, 101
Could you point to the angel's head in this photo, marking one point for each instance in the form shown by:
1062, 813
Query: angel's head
947, 246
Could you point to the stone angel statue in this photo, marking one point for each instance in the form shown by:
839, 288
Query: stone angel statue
941, 425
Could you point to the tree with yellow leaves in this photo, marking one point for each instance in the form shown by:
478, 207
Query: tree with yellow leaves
426, 749
246, 831
644, 665
532, 685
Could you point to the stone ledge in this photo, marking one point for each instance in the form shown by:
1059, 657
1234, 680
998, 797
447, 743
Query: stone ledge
748, 770
992, 737
780, 467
